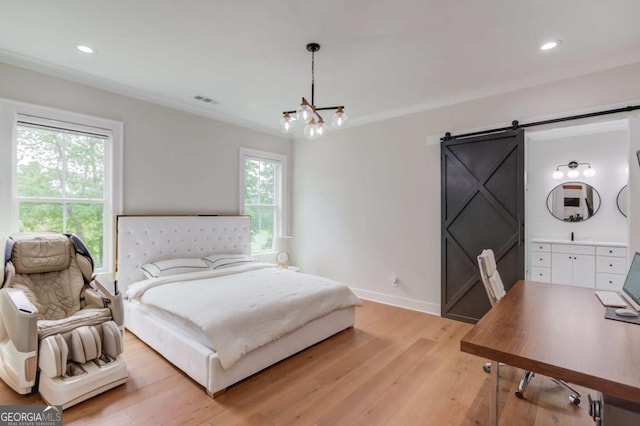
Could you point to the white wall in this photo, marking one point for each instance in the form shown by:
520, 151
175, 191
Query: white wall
174, 162
544, 153
634, 186
367, 198
366, 203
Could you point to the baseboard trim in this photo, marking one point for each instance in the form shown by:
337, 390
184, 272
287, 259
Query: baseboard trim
401, 302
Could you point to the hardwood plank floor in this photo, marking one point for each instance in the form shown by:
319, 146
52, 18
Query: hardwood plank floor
395, 367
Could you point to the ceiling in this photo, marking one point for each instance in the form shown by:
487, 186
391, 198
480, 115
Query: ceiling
378, 58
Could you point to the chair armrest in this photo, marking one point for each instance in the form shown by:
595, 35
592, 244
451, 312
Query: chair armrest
113, 301
19, 319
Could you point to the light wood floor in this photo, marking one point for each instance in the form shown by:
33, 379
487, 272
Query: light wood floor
395, 367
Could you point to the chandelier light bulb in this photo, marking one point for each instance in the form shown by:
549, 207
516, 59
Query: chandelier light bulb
304, 111
558, 174
339, 118
319, 127
310, 131
590, 172
573, 173
286, 123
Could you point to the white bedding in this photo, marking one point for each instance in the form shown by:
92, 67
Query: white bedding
242, 308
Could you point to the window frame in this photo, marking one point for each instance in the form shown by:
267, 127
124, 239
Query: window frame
10, 113
281, 226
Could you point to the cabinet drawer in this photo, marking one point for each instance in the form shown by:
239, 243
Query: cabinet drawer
541, 274
612, 251
611, 265
541, 259
573, 249
613, 282
544, 247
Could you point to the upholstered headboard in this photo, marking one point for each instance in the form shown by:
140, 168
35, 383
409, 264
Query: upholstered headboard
144, 239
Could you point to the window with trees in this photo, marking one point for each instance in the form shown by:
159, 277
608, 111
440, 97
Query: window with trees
65, 176
262, 183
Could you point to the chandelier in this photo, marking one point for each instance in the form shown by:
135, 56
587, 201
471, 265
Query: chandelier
308, 113
573, 170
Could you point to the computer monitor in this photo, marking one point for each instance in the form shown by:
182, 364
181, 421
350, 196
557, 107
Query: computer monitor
631, 288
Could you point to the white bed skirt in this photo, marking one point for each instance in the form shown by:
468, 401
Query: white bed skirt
202, 364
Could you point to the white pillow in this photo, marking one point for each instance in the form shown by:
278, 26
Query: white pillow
168, 267
219, 261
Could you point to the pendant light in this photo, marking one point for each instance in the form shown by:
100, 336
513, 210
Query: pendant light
308, 112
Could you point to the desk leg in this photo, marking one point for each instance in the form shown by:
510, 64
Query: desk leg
493, 398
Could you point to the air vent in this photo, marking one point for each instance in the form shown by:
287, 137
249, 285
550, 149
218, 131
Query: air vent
206, 100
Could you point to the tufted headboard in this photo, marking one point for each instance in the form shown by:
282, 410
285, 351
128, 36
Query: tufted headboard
144, 239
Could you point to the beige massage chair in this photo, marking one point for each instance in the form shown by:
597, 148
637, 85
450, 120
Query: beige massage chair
61, 331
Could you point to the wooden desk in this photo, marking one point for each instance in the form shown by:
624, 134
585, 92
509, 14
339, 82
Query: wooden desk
559, 331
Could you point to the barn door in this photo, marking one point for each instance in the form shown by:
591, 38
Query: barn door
482, 207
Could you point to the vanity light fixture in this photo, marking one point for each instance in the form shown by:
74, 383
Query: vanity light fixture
308, 113
573, 170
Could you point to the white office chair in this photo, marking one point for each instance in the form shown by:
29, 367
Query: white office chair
495, 291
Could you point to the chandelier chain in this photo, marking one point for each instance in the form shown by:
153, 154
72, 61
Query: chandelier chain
313, 77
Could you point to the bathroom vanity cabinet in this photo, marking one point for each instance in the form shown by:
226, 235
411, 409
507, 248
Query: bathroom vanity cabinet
600, 265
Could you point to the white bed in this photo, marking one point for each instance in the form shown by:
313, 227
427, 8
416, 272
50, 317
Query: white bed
144, 239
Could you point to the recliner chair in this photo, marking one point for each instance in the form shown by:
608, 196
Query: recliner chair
61, 331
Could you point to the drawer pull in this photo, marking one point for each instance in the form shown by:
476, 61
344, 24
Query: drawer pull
610, 251
610, 265
610, 282
540, 259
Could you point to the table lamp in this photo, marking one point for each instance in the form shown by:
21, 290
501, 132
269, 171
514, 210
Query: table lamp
284, 247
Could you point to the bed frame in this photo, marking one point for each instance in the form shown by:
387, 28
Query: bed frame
143, 239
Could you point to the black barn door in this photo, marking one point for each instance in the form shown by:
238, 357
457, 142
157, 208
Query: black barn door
482, 207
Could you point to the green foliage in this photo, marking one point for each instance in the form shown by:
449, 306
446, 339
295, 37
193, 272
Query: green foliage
262, 227
260, 195
40, 216
260, 182
62, 167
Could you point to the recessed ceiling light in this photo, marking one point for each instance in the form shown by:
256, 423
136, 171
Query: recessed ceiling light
84, 49
550, 45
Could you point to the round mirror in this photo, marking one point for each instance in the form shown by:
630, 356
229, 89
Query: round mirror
623, 200
573, 201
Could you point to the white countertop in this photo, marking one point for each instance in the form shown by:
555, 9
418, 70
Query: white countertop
578, 242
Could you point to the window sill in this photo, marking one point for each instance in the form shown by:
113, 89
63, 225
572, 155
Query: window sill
265, 256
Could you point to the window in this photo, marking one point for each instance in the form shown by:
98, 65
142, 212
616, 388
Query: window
64, 177
262, 189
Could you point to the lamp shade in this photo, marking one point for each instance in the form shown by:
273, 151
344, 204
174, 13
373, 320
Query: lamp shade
284, 244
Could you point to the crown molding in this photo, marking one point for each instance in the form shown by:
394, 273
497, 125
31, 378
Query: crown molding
68, 74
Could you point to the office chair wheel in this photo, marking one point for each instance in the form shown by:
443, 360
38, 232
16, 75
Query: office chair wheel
520, 394
575, 399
